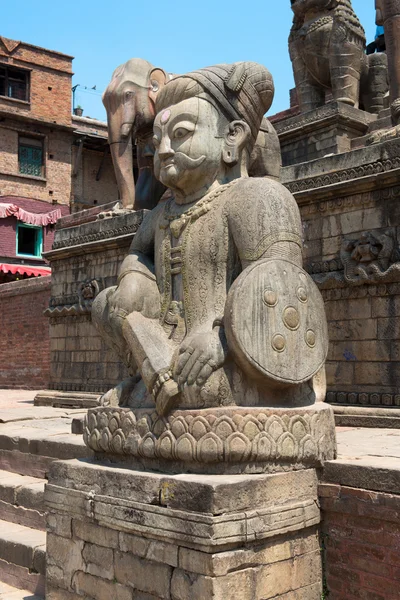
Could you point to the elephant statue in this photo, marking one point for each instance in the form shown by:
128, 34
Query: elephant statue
129, 100
327, 49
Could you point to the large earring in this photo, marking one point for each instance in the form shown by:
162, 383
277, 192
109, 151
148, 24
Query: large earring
236, 137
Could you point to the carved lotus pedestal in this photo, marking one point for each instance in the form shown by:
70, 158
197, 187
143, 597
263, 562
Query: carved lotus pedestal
225, 440
120, 529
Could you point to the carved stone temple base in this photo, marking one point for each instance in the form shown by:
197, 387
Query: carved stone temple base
321, 132
224, 440
123, 534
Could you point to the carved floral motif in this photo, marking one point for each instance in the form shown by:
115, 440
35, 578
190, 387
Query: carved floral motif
274, 437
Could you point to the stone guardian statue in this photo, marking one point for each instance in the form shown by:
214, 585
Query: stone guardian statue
213, 313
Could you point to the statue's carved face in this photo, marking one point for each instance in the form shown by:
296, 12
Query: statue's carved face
188, 146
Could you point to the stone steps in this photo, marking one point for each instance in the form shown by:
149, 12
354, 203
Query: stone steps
29, 447
30, 440
21, 500
22, 557
7, 592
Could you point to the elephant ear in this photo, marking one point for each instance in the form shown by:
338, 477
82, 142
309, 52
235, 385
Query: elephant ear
158, 78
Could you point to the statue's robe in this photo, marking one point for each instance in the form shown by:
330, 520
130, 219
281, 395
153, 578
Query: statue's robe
196, 262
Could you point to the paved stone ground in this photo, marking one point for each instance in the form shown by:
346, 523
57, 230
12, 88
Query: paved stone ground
9, 593
367, 458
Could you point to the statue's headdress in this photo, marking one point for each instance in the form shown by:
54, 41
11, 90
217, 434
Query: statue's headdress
242, 91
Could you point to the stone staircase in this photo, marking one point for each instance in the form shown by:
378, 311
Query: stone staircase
28, 445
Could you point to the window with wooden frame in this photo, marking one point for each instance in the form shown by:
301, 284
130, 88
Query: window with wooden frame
29, 240
14, 83
30, 156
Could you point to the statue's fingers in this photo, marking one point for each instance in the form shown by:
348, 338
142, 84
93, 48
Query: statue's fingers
196, 369
204, 374
188, 367
182, 360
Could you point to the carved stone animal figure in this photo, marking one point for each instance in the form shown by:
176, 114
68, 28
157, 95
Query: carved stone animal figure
326, 46
129, 100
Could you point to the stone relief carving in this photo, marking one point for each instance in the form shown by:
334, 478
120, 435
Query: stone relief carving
76, 304
326, 45
343, 175
373, 257
266, 439
213, 309
363, 398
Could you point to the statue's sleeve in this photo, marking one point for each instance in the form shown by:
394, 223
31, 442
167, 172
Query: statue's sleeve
264, 221
141, 252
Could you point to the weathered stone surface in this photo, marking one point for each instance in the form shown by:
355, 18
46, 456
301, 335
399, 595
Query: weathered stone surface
59, 524
64, 558
199, 493
99, 561
274, 551
143, 575
89, 532
99, 589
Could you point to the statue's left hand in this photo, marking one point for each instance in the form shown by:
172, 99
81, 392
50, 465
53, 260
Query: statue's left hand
199, 356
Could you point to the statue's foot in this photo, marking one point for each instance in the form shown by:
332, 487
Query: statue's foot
119, 395
116, 211
383, 135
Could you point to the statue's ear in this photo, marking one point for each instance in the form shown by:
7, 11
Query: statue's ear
157, 80
236, 138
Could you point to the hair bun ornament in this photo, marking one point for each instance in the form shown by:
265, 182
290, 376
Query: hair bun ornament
236, 78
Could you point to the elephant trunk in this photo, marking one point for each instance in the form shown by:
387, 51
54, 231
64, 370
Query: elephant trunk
122, 157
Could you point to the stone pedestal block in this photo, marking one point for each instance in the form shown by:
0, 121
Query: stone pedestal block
319, 132
119, 533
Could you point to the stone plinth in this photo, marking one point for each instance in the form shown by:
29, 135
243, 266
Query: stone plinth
323, 131
118, 533
225, 440
85, 258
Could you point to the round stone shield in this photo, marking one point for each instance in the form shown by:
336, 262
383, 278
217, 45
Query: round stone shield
275, 323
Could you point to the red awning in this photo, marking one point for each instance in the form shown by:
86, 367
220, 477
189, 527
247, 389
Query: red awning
24, 270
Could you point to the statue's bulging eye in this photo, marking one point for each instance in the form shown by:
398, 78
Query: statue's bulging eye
180, 133
154, 86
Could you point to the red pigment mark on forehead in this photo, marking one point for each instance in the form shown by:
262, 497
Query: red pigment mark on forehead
165, 116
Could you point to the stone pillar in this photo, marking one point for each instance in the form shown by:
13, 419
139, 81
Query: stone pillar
125, 534
391, 18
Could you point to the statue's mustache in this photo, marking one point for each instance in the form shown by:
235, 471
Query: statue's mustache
184, 161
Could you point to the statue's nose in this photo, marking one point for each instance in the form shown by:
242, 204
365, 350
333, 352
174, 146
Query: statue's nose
164, 149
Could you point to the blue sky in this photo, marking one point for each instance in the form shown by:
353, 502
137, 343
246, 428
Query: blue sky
178, 36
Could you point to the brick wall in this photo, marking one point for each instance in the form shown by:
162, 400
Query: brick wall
361, 535
55, 185
50, 82
24, 339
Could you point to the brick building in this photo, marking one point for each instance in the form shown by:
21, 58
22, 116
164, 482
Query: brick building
51, 163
